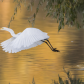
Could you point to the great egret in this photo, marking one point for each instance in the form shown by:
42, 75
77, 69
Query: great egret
30, 37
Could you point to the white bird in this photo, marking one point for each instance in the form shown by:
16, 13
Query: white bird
30, 37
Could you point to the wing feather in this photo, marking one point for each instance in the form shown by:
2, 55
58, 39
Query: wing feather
6, 45
28, 37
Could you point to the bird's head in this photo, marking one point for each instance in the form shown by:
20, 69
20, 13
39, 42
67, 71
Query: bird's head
9, 30
3, 28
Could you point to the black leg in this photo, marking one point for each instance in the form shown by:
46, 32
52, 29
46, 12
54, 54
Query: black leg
51, 47
50, 44
47, 44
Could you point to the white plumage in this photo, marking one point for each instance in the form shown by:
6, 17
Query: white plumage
30, 37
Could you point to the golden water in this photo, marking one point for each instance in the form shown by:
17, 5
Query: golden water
39, 62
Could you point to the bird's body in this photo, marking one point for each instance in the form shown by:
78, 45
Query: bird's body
30, 37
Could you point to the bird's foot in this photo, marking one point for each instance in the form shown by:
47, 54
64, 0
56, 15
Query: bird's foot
55, 50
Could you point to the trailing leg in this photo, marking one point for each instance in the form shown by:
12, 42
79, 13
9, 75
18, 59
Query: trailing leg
47, 44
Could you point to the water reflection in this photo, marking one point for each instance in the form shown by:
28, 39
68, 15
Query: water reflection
39, 62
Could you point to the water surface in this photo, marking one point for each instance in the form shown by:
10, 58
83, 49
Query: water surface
39, 62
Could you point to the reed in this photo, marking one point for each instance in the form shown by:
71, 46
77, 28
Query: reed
69, 80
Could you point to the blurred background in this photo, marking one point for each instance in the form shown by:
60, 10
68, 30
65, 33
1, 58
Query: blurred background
39, 62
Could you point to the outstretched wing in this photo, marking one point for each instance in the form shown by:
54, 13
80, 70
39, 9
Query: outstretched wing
11, 49
6, 45
15, 50
7, 42
29, 38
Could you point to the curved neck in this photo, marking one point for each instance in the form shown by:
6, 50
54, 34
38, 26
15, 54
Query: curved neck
11, 32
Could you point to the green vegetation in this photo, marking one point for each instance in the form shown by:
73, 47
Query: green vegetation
66, 12
69, 80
